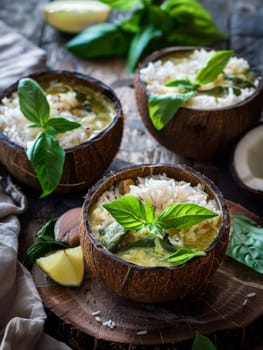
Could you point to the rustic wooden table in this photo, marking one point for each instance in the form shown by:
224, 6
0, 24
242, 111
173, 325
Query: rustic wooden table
242, 21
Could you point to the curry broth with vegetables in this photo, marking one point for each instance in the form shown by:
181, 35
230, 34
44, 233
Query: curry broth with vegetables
148, 245
88, 107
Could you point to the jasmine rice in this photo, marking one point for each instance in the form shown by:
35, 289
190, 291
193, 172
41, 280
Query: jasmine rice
184, 66
161, 191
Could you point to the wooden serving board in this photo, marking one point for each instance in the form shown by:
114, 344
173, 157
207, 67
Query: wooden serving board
228, 310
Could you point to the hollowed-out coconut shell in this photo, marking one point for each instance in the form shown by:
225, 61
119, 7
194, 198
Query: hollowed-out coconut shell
84, 164
153, 284
199, 134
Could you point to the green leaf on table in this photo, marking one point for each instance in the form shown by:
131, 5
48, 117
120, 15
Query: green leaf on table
182, 255
121, 4
202, 342
40, 248
162, 108
183, 215
32, 101
101, 40
193, 25
129, 212
246, 242
111, 236
47, 157
213, 67
46, 232
138, 44
60, 125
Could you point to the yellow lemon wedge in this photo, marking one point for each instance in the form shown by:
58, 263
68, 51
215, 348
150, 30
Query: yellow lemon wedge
74, 16
65, 267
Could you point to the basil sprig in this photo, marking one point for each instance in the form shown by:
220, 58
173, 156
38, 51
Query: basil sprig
46, 154
151, 26
162, 108
131, 214
45, 243
246, 242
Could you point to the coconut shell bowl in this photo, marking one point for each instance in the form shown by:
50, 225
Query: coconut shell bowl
84, 163
199, 133
152, 284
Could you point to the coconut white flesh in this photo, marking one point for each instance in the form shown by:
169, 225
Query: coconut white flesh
248, 159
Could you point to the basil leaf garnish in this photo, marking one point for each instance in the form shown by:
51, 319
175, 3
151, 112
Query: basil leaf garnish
182, 84
128, 211
213, 67
46, 232
46, 154
246, 242
182, 255
162, 108
61, 125
32, 101
183, 215
201, 342
47, 157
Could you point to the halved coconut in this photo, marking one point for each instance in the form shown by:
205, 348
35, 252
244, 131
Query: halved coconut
199, 133
151, 284
247, 165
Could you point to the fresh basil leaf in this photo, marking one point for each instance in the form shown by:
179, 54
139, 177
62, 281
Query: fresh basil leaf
182, 255
213, 67
133, 23
140, 243
46, 232
101, 40
201, 342
47, 157
128, 211
112, 235
240, 83
183, 215
182, 84
61, 125
193, 25
139, 43
149, 211
162, 108
246, 242
32, 101
121, 4
39, 249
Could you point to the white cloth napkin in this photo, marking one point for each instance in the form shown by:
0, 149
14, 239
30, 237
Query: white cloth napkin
22, 315
18, 57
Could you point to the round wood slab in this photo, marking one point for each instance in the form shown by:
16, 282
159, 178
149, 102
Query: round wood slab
81, 316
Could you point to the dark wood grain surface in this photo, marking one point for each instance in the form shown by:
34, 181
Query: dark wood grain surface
241, 20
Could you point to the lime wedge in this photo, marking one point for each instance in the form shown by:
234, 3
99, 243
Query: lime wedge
65, 267
74, 16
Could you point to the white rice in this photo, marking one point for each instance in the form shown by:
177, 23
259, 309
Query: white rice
158, 73
15, 126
